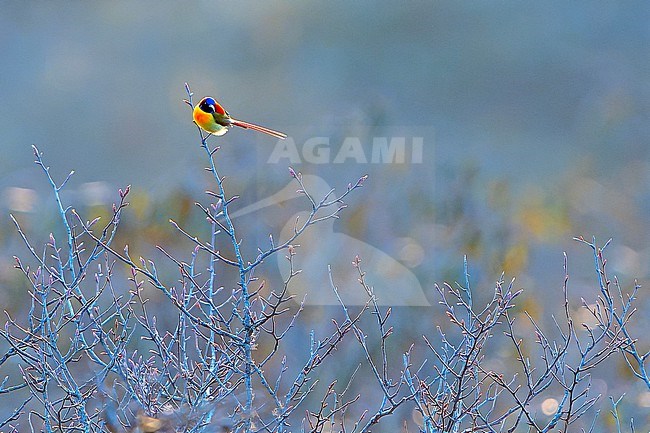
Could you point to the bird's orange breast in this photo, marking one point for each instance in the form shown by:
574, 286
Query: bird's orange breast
207, 122
202, 118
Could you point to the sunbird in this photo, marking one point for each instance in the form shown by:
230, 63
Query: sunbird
213, 118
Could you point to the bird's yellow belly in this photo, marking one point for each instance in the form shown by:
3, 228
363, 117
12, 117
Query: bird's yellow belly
207, 122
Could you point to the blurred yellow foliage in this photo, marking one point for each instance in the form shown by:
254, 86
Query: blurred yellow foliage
530, 304
515, 258
543, 216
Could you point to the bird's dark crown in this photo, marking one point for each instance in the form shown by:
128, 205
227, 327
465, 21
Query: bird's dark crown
208, 105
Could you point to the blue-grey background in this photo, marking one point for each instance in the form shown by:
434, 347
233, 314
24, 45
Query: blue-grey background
534, 119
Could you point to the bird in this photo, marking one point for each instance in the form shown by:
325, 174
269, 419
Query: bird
210, 116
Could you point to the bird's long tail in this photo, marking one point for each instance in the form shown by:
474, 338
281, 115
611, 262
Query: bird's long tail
258, 128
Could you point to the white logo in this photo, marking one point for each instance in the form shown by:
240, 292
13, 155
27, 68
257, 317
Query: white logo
393, 283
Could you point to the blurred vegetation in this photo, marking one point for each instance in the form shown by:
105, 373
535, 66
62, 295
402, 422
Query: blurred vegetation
534, 121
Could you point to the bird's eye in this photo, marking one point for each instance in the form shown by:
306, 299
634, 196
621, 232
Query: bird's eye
208, 105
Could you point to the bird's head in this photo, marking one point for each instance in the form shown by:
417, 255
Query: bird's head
210, 105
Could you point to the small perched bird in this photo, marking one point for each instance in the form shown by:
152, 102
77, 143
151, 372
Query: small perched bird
212, 118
